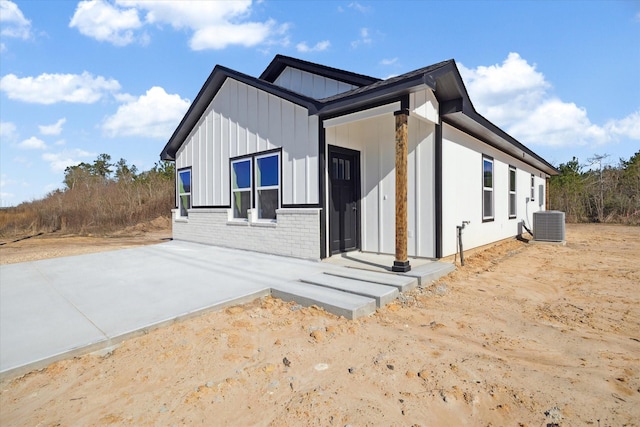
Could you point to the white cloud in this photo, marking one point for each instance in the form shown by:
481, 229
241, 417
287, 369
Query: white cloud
214, 24
318, 47
51, 88
152, 115
8, 132
54, 129
359, 7
104, 22
14, 24
627, 127
518, 98
32, 143
58, 162
222, 35
365, 38
389, 61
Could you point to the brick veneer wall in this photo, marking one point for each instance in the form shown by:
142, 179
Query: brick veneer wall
296, 233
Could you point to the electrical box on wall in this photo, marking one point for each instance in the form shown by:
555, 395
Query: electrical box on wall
541, 195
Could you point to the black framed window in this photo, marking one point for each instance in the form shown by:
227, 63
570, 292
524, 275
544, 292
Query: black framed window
184, 192
241, 187
512, 192
487, 188
267, 185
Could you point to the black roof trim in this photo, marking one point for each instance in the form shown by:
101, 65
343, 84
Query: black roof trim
394, 86
280, 62
209, 90
443, 78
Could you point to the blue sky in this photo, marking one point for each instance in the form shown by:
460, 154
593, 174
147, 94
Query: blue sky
82, 78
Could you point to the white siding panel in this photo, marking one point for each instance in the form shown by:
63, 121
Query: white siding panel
263, 120
275, 122
300, 147
311, 159
242, 119
311, 85
211, 167
424, 104
288, 140
217, 162
198, 193
252, 120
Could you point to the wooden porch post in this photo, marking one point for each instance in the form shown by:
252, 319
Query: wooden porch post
401, 263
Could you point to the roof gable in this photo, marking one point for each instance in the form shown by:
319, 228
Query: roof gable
281, 62
209, 90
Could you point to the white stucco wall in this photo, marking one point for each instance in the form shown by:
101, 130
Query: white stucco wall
244, 120
374, 138
462, 191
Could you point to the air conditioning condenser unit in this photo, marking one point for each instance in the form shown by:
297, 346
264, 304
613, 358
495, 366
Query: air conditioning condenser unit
548, 226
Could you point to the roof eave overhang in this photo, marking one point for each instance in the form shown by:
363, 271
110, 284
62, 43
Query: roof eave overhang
477, 126
364, 99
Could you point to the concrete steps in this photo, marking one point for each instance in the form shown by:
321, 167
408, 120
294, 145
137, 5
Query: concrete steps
352, 292
401, 282
380, 293
340, 303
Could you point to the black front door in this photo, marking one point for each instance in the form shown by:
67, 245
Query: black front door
344, 199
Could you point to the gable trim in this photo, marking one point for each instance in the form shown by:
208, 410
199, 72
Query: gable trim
281, 62
209, 91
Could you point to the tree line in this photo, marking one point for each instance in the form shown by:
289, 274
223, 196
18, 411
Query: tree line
105, 196
596, 192
101, 196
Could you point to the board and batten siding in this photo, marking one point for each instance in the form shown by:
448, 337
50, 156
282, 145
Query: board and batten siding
462, 192
374, 138
311, 85
245, 120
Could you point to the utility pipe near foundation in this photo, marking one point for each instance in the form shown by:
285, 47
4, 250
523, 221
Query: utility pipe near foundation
459, 228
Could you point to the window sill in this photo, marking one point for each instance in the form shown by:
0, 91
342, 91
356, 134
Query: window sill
488, 219
265, 223
182, 219
240, 222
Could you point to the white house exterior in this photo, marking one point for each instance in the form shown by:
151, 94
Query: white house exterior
309, 161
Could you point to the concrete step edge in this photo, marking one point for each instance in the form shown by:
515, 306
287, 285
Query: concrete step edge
383, 294
402, 283
340, 303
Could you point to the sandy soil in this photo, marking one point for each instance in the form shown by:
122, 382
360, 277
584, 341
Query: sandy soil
53, 245
523, 335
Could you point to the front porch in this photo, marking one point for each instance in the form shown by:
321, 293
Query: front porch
393, 211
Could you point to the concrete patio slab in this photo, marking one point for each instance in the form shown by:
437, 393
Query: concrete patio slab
57, 308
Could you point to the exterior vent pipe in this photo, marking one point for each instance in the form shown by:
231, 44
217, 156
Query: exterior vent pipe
459, 228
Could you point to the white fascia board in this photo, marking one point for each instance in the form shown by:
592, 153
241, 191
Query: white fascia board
361, 115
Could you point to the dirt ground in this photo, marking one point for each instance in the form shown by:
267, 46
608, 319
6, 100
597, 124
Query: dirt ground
523, 335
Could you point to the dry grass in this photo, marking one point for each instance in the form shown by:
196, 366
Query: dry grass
94, 207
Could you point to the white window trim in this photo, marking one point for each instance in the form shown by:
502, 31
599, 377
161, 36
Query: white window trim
181, 171
490, 189
513, 192
267, 187
242, 190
